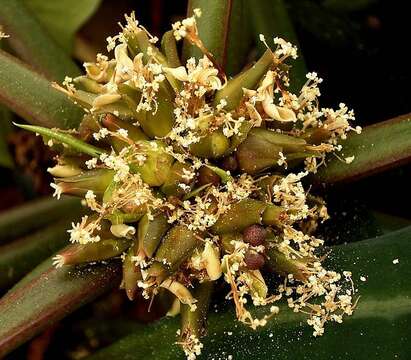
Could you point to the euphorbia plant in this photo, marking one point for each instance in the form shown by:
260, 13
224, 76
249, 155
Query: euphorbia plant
193, 178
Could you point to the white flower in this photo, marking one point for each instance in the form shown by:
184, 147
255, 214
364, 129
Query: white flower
57, 190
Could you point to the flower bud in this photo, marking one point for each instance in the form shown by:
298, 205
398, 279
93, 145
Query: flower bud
207, 176
281, 264
150, 233
240, 215
193, 323
211, 258
118, 217
66, 170
229, 163
265, 186
131, 275
316, 136
88, 126
159, 123
96, 251
179, 290
123, 231
175, 177
95, 180
226, 241
211, 146
156, 168
177, 245
257, 284
274, 215
89, 85
169, 48
232, 92
114, 124
261, 149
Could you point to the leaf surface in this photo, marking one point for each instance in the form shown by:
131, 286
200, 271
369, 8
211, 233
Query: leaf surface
63, 18
23, 219
31, 96
31, 40
46, 295
379, 147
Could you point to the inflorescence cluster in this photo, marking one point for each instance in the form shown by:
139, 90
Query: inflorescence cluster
193, 178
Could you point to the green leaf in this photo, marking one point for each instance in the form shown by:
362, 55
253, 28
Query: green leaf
22, 255
5, 127
32, 43
377, 148
63, 18
379, 327
270, 18
225, 31
23, 219
388, 223
239, 39
67, 139
33, 98
213, 27
48, 294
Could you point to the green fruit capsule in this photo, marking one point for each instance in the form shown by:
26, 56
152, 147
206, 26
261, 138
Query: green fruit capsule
226, 241
289, 144
157, 166
237, 139
283, 265
194, 323
208, 176
177, 245
157, 124
151, 51
88, 126
245, 213
118, 217
150, 233
273, 215
131, 275
114, 124
232, 92
265, 186
97, 251
261, 149
169, 48
89, 85
316, 136
175, 177
95, 180
211, 146
240, 216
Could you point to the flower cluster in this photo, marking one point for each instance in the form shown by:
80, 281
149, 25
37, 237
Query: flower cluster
192, 178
